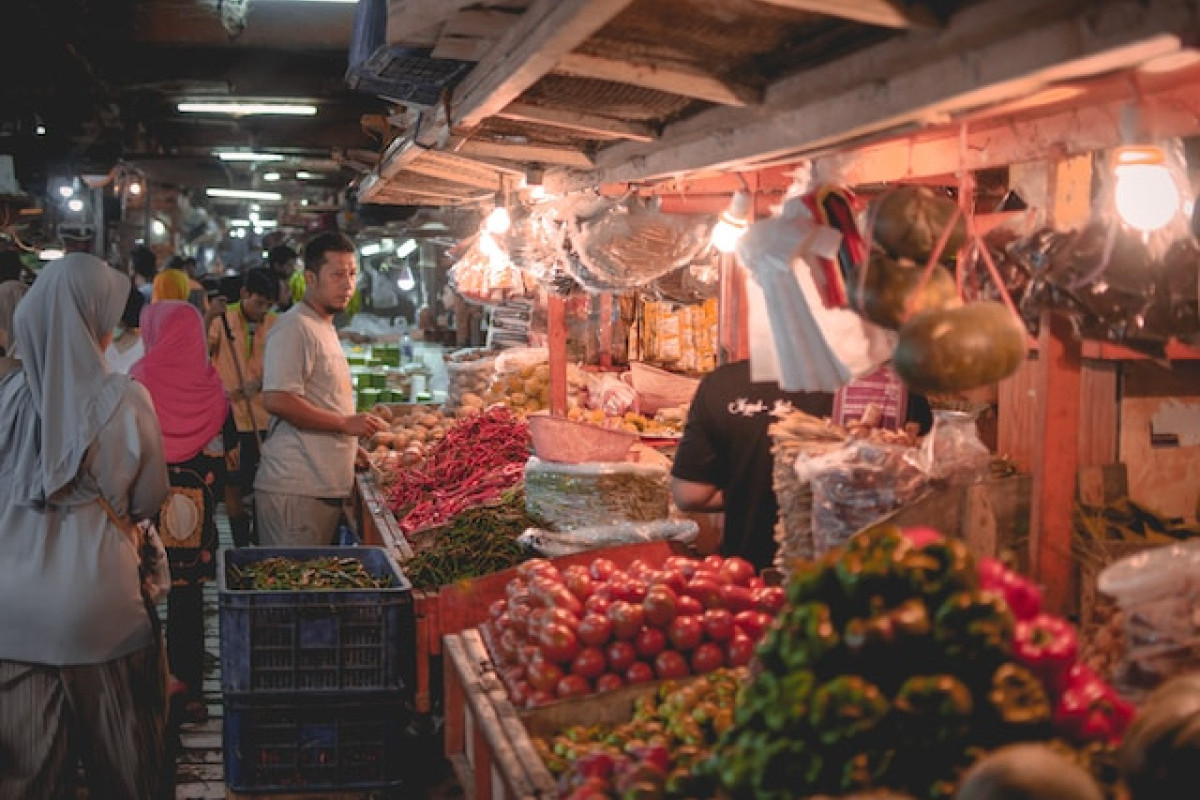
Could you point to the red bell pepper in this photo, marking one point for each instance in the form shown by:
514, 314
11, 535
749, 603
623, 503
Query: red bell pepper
1047, 645
1089, 710
1023, 596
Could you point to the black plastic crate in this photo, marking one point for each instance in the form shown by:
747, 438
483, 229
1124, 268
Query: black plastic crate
407, 75
341, 640
314, 743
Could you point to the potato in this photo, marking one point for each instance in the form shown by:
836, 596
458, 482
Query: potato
471, 399
382, 411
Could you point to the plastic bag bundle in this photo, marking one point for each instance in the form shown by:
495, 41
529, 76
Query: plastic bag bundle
571, 496
794, 338
469, 374
521, 379
854, 486
551, 544
624, 245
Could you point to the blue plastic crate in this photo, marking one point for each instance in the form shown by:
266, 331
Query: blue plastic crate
337, 640
314, 743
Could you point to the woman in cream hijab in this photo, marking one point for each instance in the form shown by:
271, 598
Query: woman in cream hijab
11, 292
82, 669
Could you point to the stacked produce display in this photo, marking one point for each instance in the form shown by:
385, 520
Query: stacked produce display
895, 663
595, 628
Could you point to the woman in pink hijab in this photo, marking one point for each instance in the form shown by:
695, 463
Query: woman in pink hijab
193, 412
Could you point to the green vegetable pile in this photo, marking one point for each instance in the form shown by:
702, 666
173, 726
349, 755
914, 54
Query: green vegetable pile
653, 756
478, 541
288, 574
889, 667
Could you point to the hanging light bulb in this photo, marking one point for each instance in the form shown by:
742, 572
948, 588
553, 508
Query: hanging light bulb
732, 224
498, 222
1146, 195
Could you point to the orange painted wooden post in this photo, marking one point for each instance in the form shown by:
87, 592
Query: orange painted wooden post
556, 322
1056, 460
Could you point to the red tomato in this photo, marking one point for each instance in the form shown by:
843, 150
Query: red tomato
573, 685
709, 574
752, 622
713, 561
518, 615
921, 535
670, 664
637, 568
756, 582
770, 599
688, 606
539, 698
510, 644
626, 618
561, 597
594, 629
706, 590
517, 587
739, 650
589, 662
718, 624
737, 598
601, 569
682, 564
649, 642
562, 616
558, 643
519, 693
596, 604
502, 623
640, 672
738, 570
537, 566
707, 657
578, 581
672, 578
609, 681
528, 653
544, 674
620, 655
659, 606
632, 590
685, 633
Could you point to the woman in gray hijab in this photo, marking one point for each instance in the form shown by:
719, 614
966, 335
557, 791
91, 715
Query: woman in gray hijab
82, 670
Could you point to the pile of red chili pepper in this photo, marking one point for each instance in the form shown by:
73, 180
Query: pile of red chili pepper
480, 458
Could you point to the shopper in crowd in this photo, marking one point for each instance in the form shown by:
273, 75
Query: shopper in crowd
145, 269
170, 284
77, 237
126, 346
307, 468
236, 342
12, 289
281, 260
724, 462
193, 412
81, 664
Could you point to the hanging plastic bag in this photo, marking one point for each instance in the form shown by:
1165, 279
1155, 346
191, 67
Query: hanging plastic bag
795, 340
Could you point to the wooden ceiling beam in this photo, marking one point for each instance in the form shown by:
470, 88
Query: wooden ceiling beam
884, 13
526, 153
683, 80
988, 54
456, 169
528, 50
592, 125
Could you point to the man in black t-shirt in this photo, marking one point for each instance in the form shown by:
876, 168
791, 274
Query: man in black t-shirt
724, 461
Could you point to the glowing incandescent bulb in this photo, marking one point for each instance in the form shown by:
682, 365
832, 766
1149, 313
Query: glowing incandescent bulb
732, 224
1146, 195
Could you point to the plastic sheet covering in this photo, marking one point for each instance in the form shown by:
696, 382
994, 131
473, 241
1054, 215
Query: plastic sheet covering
622, 245
794, 339
485, 274
570, 496
551, 544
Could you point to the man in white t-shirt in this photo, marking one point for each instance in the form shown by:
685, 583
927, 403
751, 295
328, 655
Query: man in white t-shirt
307, 467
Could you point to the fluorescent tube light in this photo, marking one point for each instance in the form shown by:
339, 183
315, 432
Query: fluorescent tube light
307, 176
50, 254
271, 177
244, 155
243, 194
406, 248
247, 109
370, 249
239, 223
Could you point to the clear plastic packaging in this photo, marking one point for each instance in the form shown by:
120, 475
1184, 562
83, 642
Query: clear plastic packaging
854, 486
953, 451
551, 544
469, 374
1158, 591
571, 496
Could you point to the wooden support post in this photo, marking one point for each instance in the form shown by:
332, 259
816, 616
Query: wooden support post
733, 338
605, 328
556, 321
1056, 459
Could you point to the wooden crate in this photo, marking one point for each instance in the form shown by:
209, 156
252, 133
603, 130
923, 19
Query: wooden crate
487, 745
